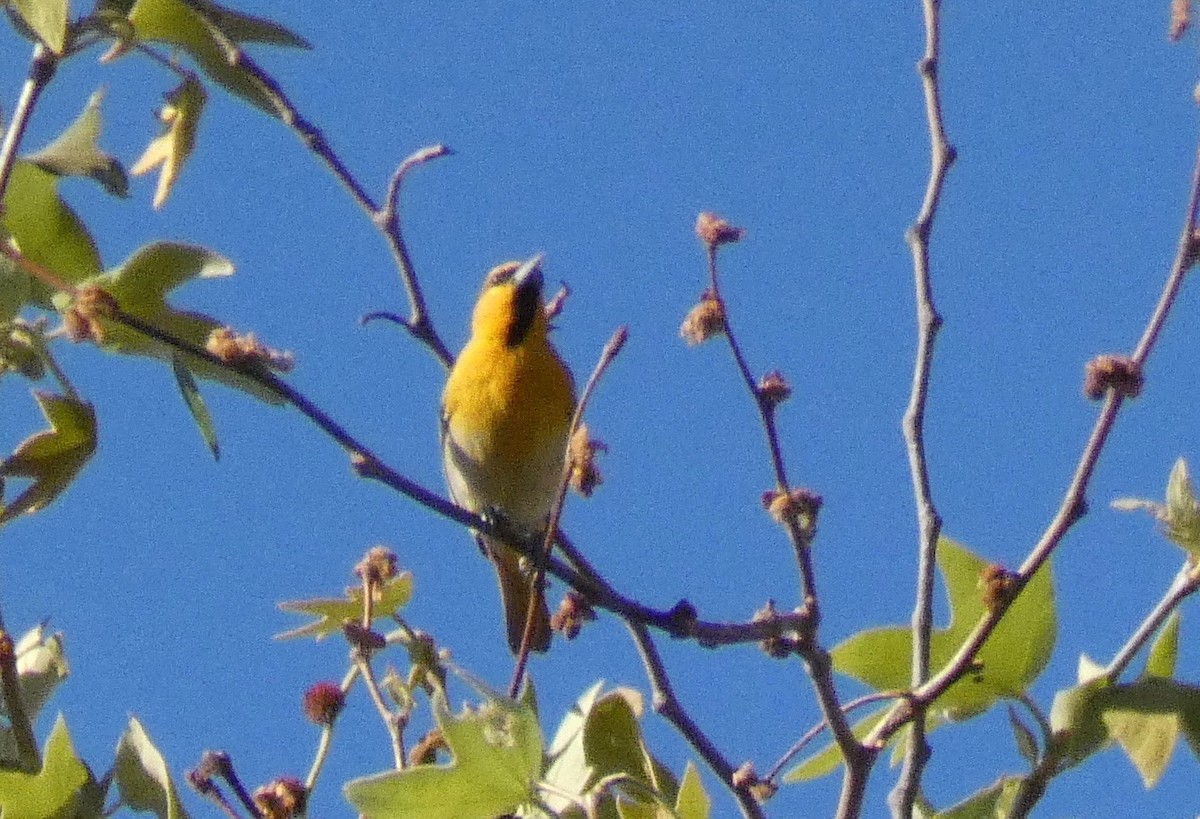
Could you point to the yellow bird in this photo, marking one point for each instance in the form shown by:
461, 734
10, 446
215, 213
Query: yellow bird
506, 413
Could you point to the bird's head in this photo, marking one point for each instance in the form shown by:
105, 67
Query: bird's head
511, 306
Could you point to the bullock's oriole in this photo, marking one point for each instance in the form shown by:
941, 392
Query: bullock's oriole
506, 413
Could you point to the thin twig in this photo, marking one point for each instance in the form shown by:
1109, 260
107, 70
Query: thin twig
819, 666
1186, 582
929, 522
387, 219
363, 661
667, 704
536, 598
361, 656
816, 730
326, 741
1073, 505
41, 70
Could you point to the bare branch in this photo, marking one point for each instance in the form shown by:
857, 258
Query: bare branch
929, 522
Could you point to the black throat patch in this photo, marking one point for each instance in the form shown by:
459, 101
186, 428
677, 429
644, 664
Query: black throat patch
527, 303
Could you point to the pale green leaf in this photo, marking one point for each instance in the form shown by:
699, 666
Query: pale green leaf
1008, 663
180, 24
1027, 745
1145, 718
497, 753
993, 802
1075, 720
143, 777
1183, 512
76, 152
196, 406
56, 791
170, 150
141, 285
1088, 670
693, 802
332, 613
51, 458
1161, 660
46, 229
601, 739
47, 19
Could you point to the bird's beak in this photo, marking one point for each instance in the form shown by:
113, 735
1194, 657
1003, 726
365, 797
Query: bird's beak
529, 274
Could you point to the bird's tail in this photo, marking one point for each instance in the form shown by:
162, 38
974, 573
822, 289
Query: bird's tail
516, 595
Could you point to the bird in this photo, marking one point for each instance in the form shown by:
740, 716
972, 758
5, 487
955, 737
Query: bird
505, 420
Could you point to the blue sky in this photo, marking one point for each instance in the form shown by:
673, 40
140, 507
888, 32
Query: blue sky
595, 133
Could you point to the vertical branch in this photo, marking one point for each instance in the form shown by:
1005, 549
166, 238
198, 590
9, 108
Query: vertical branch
1074, 504
714, 232
41, 71
929, 522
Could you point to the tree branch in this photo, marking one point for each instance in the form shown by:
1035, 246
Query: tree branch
929, 522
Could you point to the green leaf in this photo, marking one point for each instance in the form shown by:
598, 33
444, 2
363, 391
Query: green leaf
142, 776
54, 792
497, 761
994, 801
1183, 512
601, 739
53, 457
140, 286
332, 613
196, 406
693, 802
178, 23
76, 152
47, 19
245, 28
1180, 514
1009, 662
1088, 670
15, 291
170, 150
1075, 720
1145, 719
1160, 662
41, 668
46, 229
1026, 742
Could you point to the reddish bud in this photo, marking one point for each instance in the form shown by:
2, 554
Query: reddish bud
323, 702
